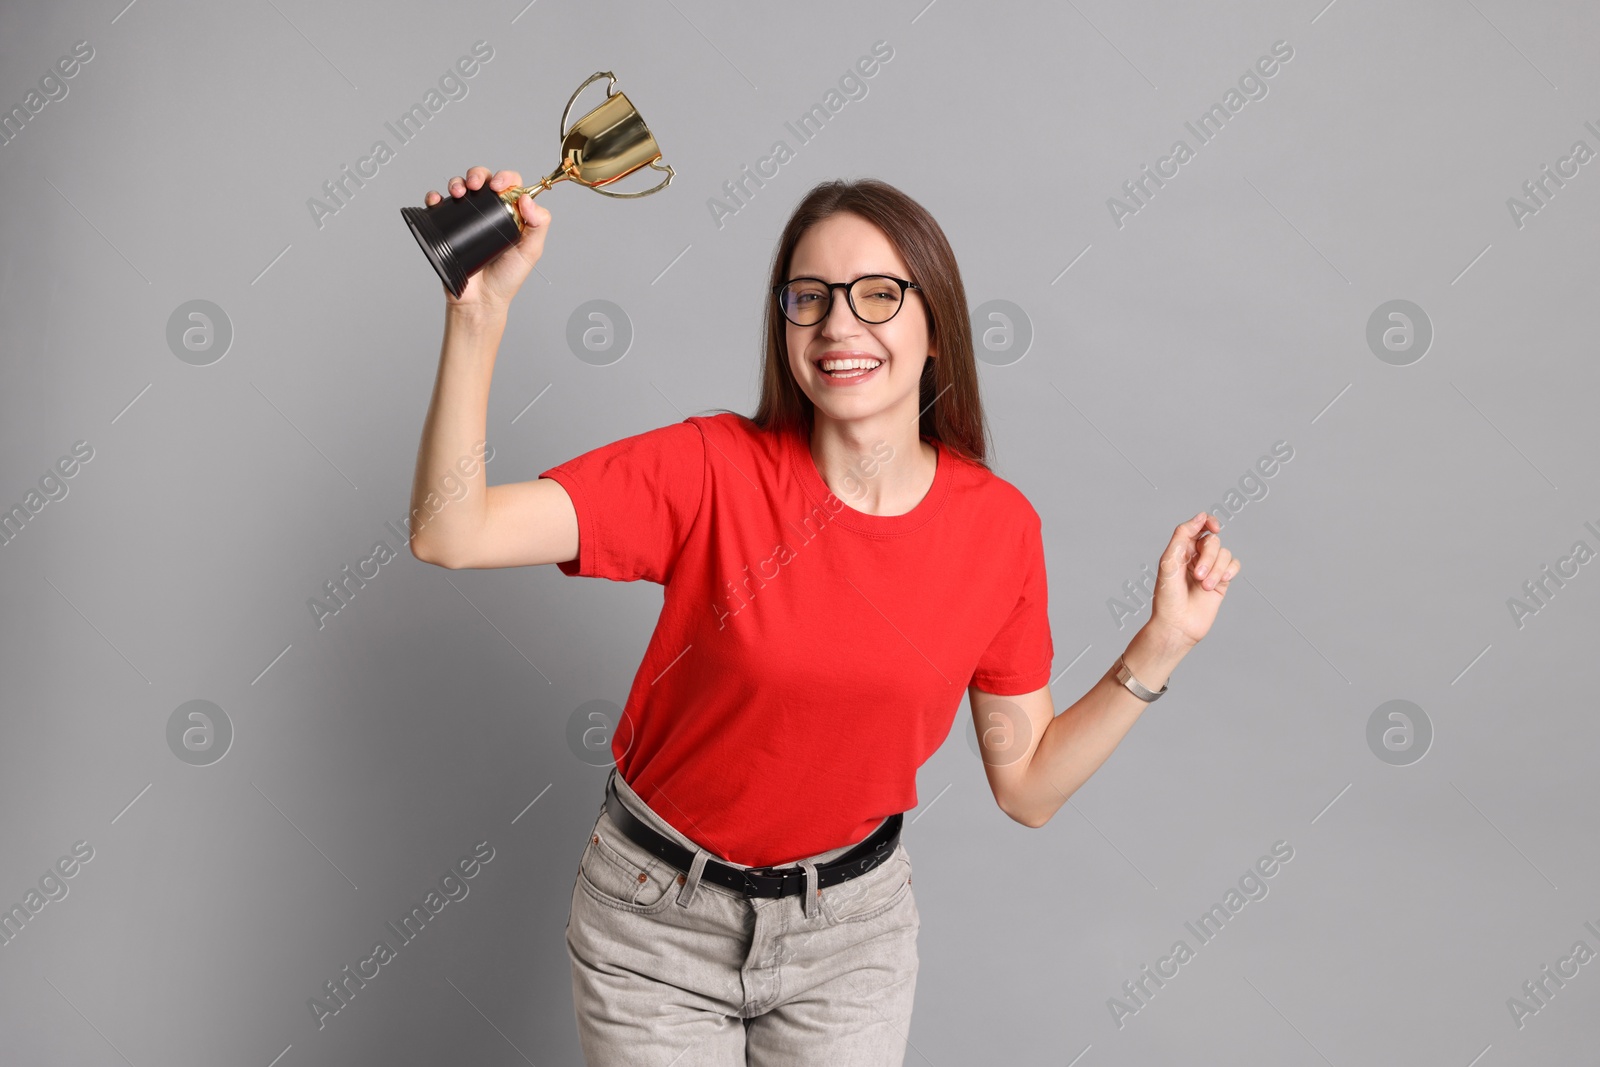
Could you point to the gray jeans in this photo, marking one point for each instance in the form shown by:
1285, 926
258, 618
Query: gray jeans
670, 970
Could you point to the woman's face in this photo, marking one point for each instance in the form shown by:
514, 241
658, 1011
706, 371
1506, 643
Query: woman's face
842, 248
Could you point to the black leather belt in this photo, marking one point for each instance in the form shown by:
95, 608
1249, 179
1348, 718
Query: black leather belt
759, 881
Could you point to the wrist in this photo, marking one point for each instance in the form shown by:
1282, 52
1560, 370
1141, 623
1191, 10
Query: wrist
477, 316
1154, 653
1169, 640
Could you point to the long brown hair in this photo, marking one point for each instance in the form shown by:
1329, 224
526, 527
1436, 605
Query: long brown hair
951, 410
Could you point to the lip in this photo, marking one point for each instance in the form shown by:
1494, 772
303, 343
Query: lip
858, 379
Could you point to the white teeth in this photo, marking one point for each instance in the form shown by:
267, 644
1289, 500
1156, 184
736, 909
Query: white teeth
849, 364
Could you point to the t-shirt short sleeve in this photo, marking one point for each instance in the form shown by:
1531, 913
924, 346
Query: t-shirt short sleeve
636, 500
1019, 656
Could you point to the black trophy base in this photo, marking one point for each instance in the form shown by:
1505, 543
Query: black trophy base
460, 235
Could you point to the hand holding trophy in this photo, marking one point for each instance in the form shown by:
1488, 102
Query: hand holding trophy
498, 281
462, 233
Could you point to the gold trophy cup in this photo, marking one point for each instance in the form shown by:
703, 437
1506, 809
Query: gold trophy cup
460, 235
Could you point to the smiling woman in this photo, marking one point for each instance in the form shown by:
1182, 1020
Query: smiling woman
768, 748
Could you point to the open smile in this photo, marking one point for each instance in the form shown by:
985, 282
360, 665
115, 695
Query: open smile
848, 370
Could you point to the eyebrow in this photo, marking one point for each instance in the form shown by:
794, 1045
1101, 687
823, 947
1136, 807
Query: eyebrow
858, 277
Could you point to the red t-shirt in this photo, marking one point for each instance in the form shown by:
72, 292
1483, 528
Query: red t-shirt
809, 657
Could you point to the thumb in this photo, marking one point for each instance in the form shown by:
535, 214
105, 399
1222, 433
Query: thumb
535, 216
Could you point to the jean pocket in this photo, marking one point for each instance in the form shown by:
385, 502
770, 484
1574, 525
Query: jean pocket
622, 875
869, 895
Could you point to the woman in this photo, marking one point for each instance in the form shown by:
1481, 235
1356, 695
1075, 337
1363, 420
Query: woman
837, 569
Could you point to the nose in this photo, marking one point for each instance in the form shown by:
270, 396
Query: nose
841, 321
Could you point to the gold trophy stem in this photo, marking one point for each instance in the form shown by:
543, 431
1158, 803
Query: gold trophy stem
510, 197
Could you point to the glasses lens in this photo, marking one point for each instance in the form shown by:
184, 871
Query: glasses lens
804, 302
876, 297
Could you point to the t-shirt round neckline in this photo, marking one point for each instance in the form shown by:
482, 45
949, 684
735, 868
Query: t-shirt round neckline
817, 491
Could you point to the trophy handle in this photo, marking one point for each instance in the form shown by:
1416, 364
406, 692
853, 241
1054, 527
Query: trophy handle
574, 99
642, 192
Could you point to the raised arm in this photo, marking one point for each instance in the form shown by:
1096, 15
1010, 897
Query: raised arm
458, 520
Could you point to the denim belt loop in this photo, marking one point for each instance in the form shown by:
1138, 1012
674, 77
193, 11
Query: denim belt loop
809, 889
692, 882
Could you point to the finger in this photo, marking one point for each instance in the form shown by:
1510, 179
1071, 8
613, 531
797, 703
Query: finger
504, 179
1206, 556
457, 186
1220, 567
1180, 548
1173, 560
476, 176
1228, 576
432, 198
533, 214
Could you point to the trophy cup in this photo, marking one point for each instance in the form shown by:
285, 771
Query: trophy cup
460, 235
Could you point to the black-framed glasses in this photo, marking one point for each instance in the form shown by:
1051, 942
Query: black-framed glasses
873, 298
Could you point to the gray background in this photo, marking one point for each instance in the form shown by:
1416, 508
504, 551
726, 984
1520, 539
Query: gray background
436, 710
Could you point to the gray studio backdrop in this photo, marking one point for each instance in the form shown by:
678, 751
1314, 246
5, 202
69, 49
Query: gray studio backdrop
1326, 270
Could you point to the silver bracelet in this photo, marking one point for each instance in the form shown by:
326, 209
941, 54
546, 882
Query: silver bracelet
1125, 676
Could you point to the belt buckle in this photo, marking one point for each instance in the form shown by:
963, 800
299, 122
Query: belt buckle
749, 887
